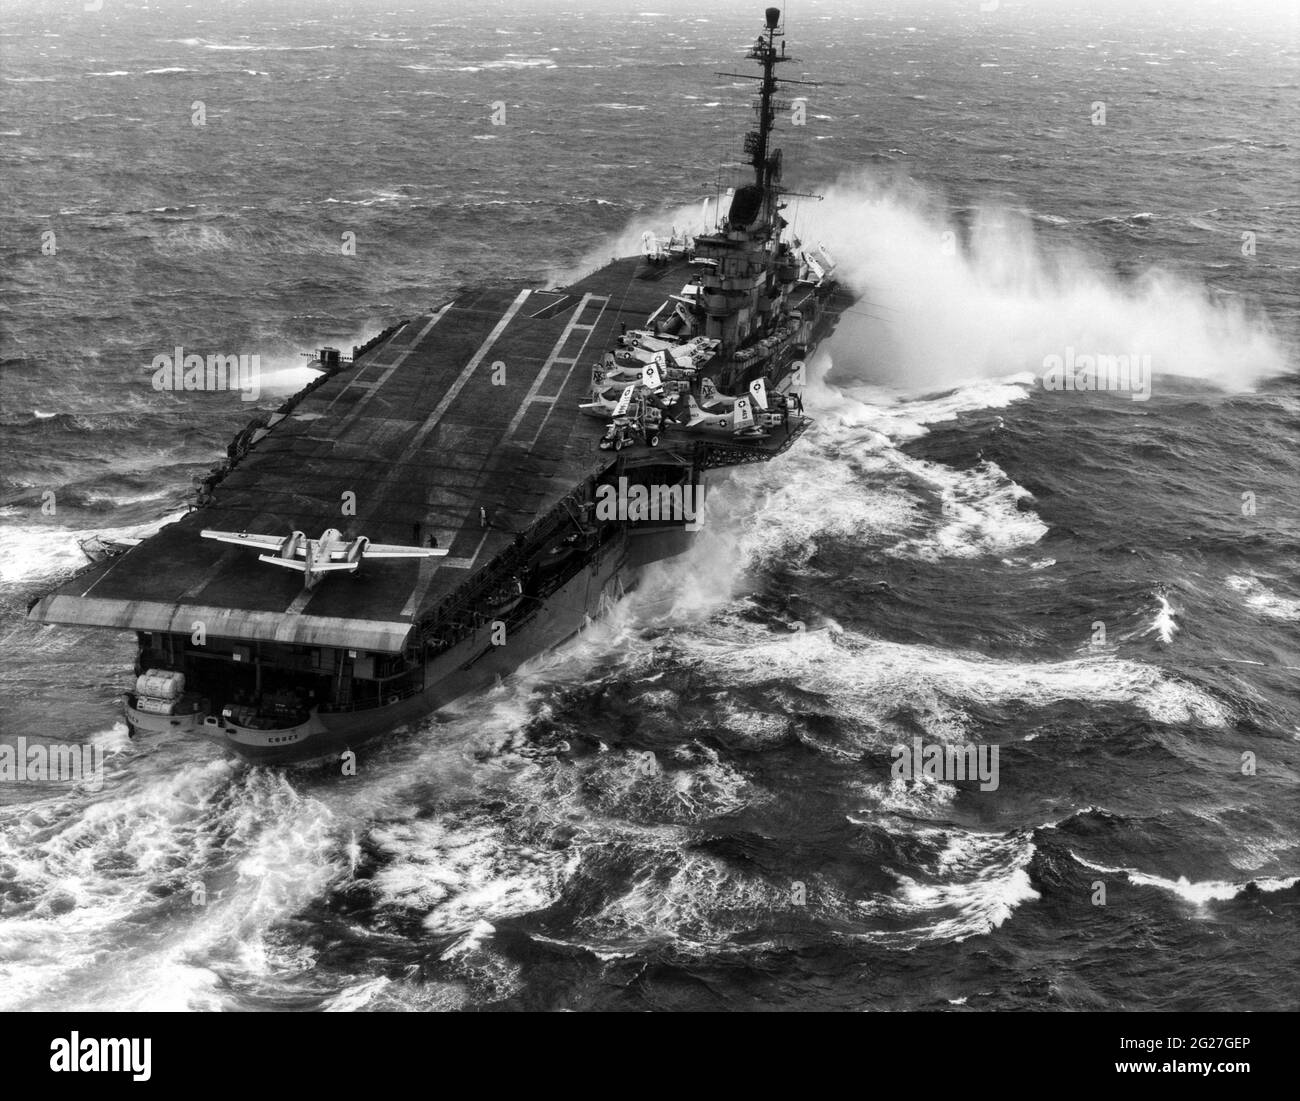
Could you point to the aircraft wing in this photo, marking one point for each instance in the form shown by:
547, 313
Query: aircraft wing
299, 565
389, 550
243, 538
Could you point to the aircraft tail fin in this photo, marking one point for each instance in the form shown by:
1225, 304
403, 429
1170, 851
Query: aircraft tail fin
742, 415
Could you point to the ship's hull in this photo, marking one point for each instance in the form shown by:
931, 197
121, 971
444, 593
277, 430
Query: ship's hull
472, 665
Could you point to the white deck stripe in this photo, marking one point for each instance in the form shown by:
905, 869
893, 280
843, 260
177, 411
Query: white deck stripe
427, 568
458, 385
554, 357
370, 361
378, 383
550, 401
429, 565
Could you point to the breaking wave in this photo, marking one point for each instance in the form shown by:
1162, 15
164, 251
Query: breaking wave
945, 302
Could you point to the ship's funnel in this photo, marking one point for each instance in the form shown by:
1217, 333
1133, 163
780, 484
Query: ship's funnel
773, 18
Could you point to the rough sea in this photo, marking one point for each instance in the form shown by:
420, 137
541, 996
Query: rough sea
694, 805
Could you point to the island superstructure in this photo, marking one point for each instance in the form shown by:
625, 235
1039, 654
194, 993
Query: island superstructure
432, 512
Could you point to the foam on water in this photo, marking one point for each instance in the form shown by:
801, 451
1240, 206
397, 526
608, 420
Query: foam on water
986, 879
924, 797
474, 863
849, 481
981, 514
1199, 894
1165, 625
972, 884
980, 510
479, 933
460, 873
81, 877
1263, 600
866, 681
30, 551
688, 784
692, 900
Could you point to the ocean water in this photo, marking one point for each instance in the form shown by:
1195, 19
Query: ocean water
692, 805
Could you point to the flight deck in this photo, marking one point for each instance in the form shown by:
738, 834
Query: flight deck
461, 426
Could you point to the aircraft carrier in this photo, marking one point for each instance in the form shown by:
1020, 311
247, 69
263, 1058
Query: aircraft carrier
441, 499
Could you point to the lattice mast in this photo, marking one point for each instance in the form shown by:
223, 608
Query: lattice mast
765, 160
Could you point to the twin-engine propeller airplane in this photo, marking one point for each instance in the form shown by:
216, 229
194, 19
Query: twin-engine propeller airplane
314, 558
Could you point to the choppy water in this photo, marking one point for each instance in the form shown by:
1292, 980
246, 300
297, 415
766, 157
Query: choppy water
692, 806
